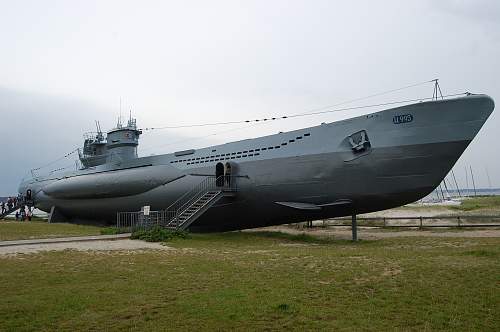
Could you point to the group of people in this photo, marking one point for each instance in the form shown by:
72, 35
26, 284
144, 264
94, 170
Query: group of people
11, 203
24, 212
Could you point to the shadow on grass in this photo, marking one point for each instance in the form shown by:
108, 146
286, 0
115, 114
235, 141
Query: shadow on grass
33, 219
480, 253
256, 236
302, 237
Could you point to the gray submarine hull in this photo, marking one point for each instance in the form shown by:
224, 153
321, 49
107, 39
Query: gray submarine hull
363, 164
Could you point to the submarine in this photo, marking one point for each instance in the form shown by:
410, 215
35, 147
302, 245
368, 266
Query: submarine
362, 164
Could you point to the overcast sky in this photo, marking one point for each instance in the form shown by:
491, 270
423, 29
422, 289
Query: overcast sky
64, 64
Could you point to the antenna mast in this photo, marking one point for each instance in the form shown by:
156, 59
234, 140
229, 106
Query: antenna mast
437, 90
119, 124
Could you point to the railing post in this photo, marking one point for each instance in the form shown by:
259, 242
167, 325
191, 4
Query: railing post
420, 226
458, 221
385, 223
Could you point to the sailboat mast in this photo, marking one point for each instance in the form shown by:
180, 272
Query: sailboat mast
473, 182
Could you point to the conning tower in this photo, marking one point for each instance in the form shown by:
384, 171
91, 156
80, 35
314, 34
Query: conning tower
122, 142
94, 149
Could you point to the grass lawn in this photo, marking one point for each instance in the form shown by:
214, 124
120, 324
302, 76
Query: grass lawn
473, 205
16, 230
258, 281
479, 203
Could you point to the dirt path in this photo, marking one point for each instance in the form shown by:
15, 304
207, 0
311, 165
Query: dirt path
9, 243
125, 244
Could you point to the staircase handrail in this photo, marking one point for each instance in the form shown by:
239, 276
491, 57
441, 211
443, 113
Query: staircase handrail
175, 205
206, 188
185, 201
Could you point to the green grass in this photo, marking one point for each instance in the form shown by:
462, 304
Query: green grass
481, 253
12, 230
157, 234
419, 208
112, 231
258, 281
478, 203
302, 237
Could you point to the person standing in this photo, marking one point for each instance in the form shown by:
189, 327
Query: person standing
3, 207
17, 215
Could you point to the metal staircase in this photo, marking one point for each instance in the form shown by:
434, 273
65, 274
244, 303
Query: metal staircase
189, 207
185, 218
186, 210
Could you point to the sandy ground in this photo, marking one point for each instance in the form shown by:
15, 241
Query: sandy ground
428, 212
368, 233
416, 210
83, 246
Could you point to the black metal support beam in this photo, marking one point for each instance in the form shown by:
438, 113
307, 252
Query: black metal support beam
354, 228
56, 216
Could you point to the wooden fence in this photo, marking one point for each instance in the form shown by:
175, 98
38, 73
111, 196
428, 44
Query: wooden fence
413, 222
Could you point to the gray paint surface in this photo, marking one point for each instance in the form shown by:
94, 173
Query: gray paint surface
314, 166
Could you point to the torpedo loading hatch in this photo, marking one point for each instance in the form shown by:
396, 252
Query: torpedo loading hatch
359, 141
356, 145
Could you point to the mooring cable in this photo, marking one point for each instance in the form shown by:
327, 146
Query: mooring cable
316, 112
55, 161
284, 117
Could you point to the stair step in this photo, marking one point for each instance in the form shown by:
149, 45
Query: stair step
191, 213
